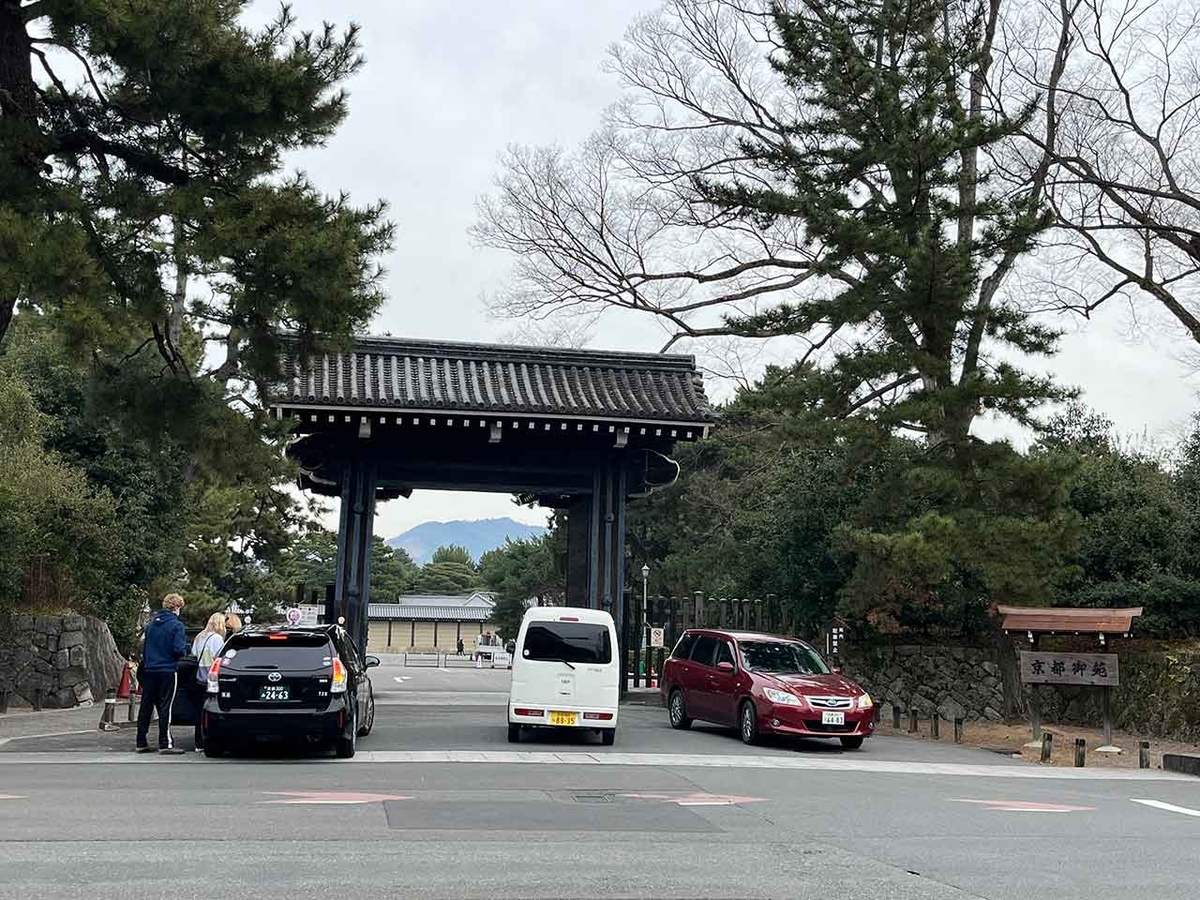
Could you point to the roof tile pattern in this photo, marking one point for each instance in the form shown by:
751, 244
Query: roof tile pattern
381, 373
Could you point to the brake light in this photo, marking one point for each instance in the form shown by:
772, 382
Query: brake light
597, 717
338, 684
213, 686
568, 618
277, 637
529, 713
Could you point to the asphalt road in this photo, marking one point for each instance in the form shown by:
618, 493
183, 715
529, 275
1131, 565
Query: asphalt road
438, 805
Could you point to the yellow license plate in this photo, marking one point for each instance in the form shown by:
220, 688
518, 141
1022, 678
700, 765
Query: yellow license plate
562, 718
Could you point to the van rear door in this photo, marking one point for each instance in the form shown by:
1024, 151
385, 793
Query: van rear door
580, 654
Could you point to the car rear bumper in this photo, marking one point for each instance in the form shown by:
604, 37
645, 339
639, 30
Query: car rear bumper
585, 716
252, 724
790, 720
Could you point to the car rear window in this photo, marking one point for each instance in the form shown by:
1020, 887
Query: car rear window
573, 642
279, 650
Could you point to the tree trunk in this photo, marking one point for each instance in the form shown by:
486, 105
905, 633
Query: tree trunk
18, 98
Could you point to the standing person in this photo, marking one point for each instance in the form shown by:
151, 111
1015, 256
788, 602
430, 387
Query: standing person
460, 647
165, 643
205, 648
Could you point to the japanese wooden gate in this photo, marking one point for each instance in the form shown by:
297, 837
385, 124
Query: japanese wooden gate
583, 431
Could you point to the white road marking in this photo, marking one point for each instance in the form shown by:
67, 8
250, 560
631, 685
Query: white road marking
793, 762
1169, 807
1025, 806
400, 679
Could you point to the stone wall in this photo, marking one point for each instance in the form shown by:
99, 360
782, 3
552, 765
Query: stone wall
72, 660
956, 681
1159, 694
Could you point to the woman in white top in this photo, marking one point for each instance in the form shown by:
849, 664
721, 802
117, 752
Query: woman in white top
206, 647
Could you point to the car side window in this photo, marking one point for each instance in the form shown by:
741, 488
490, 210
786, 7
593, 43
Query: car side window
684, 647
725, 654
704, 650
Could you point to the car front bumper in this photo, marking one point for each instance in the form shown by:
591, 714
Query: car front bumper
805, 722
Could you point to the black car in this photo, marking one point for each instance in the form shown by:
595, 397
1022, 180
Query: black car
283, 683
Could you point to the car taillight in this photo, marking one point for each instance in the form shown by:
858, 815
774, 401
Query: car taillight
213, 676
338, 684
531, 713
597, 717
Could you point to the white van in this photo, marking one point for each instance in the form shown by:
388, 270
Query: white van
565, 672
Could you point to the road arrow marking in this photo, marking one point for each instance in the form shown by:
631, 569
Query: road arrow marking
1169, 807
329, 798
1026, 806
697, 799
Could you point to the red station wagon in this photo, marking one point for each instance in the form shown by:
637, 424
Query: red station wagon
763, 684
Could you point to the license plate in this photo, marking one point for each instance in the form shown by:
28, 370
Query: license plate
562, 718
833, 718
273, 692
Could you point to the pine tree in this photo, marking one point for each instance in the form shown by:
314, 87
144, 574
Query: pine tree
142, 193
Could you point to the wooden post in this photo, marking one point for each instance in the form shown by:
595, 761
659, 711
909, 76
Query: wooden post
3, 700
912, 720
1047, 745
1107, 716
1143, 754
933, 726
958, 730
896, 716
1080, 752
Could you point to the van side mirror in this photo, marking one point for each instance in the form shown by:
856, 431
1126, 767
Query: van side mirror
725, 666
372, 661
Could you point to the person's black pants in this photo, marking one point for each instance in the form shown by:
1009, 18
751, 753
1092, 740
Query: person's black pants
158, 692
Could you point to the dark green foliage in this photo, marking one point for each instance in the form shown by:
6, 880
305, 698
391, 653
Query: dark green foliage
450, 571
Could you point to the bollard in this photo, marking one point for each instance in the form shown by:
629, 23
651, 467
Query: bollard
895, 717
912, 720
1080, 752
958, 730
933, 726
3, 701
1047, 745
130, 712
1143, 754
876, 713
36, 699
109, 715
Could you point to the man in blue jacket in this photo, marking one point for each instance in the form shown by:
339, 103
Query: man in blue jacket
165, 642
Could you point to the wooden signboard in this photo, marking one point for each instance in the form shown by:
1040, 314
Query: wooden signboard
1069, 668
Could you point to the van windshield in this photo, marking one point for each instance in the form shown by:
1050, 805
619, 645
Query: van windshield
573, 642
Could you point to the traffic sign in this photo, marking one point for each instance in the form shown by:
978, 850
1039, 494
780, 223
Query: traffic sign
657, 637
294, 616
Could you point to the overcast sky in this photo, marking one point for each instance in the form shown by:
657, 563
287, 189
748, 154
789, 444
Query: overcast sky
448, 85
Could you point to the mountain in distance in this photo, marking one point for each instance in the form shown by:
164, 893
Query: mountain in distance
478, 536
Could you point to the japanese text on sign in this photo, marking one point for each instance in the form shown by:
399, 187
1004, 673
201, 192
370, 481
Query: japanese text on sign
1069, 668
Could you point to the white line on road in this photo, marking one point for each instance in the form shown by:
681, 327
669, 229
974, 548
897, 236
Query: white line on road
657, 760
1169, 807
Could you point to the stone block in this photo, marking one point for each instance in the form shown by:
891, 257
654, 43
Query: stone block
24, 623
52, 642
60, 659
76, 656
958, 653
950, 710
991, 668
83, 692
71, 639
65, 698
73, 674
42, 667
73, 623
39, 639
992, 714
47, 624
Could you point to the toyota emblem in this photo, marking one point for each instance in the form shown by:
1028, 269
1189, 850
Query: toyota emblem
274, 676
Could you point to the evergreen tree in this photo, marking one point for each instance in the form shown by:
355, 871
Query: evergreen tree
140, 155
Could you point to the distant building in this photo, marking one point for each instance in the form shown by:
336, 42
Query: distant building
428, 622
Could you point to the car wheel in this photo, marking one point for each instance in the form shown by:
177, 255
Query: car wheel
370, 723
748, 723
213, 749
852, 743
345, 747
608, 737
677, 711
514, 734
